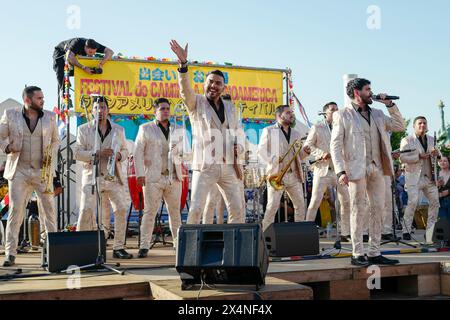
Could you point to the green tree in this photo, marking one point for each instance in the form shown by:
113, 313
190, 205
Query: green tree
396, 137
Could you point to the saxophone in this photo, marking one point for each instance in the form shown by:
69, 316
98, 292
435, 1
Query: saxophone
46, 172
111, 166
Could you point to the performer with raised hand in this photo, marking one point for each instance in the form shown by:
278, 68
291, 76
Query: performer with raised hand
218, 141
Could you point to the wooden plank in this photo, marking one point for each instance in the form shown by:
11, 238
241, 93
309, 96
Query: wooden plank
429, 285
92, 286
400, 270
315, 275
445, 284
131, 290
420, 285
349, 290
275, 289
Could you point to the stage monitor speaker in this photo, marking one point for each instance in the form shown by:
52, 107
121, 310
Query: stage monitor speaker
222, 254
65, 249
292, 239
442, 231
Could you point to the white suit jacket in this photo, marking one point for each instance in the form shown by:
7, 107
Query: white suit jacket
84, 149
319, 141
274, 145
202, 117
412, 161
148, 152
11, 131
348, 144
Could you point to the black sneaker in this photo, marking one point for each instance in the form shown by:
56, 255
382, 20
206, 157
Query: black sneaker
366, 238
345, 238
406, 236
380, 260
360, 261
143, 253
9, 261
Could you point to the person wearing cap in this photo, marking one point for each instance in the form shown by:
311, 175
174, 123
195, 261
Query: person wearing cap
77, 47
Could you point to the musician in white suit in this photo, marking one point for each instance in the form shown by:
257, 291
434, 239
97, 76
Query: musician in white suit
275, 143
324, 176
157, 154
218, 142
111, 138
361, 154
215, 203
26, 135
420, 175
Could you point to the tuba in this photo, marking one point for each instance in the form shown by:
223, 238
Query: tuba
276, 180
46, 172
111, 166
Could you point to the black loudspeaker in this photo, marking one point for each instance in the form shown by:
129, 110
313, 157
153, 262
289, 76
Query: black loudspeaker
292, 239
442, 231
222, 254
65, 249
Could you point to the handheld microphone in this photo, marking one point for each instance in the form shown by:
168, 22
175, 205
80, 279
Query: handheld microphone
378, 97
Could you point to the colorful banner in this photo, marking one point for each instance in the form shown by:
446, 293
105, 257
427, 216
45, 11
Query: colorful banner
132, 86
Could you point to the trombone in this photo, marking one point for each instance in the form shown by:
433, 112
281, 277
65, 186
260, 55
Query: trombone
46, 172
276, 180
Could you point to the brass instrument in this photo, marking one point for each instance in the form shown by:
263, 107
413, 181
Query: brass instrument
46, 172
111, 166
276, 180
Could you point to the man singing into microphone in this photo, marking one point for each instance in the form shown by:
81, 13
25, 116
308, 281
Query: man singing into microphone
361, 153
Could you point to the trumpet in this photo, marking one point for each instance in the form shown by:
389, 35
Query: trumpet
276, 180
46, 171
111, 166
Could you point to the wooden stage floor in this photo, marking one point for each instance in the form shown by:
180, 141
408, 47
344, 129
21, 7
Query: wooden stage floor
419, 275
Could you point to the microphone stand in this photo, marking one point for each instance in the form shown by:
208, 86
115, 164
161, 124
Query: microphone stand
395, 239
100, 262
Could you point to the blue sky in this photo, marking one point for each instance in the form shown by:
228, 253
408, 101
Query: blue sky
319, 40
